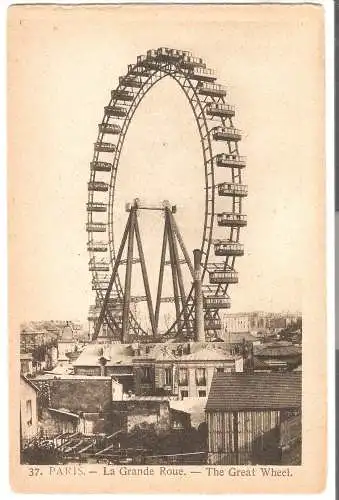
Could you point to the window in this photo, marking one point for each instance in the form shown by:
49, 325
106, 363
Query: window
220, 370
146, 377
168, 376
184, 394
200, 376
183, 376
88, 371
202, 394
177, 425
29, 411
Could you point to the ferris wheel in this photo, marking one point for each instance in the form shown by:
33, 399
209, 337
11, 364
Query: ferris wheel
223, 173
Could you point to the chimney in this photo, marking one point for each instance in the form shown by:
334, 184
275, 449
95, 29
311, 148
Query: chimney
102, 362
198, 303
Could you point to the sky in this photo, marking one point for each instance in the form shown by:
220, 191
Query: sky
62, 65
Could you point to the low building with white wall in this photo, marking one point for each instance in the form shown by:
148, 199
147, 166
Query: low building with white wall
28, 410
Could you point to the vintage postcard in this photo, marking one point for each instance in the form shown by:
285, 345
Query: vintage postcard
167, 292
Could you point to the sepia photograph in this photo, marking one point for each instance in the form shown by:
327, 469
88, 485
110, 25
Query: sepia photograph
167, 247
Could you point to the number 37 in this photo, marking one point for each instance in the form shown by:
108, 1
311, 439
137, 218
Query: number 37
33, 471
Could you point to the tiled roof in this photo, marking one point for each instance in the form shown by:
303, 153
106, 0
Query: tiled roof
257, 391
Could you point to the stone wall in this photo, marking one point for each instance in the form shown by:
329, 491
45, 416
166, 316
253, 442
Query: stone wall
87, 395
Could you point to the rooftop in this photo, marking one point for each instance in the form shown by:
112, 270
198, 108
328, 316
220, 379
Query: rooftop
281, 314
32, 332
127, 354
29, 382
64, 412
277, 349
65, 376
238, 337
67, 333
257, 391
26, 355
126, 397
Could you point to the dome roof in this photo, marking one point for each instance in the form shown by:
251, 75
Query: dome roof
67, 333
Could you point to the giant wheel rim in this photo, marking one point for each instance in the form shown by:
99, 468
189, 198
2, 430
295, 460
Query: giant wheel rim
206, 125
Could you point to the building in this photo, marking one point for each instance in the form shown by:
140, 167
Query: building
194, 407
258, 322
88, 394
66, 343
36, 333
31, 339
237, 341
237, 323
93, 315
28, 410
68, 403
279, 355
38, 348
26, 363
178, 369
51, 357
102, 408
58, 421
251, 322
253, 419
153, 411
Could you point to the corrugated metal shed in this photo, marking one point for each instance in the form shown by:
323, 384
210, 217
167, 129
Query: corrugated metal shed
257, 391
